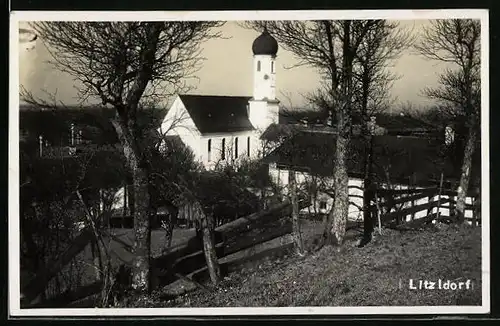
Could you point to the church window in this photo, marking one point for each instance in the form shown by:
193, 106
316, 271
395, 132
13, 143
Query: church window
79, 137
248, 146
236, 147
258, 65
72, 131
272, 67
223, 153
209, 150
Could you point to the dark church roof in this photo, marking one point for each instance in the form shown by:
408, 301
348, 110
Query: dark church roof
218, 114
265, 44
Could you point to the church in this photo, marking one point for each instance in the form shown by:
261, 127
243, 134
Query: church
223, 129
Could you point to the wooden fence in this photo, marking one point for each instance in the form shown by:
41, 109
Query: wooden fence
414, 206
184, 260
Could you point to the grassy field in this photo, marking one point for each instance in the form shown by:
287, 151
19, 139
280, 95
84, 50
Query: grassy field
376, 275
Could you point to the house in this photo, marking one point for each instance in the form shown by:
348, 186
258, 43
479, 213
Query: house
401, 161
222, 129
310, 155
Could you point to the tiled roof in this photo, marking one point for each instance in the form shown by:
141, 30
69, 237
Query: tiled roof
218, 114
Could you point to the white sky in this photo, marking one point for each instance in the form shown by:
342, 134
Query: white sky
227, 70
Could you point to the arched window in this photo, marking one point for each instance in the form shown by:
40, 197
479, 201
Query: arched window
223, 149
209, 150
236, 147
258, 65
72, 132
248, 146
272, 67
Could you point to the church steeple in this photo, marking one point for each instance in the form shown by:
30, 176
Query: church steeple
263, 108
264, 49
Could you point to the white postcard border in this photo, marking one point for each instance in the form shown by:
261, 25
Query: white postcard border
13, 226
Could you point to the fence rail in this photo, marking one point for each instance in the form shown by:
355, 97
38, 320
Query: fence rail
184, 259
399, 206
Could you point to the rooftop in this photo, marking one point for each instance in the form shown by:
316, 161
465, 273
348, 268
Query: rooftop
400, 157
218, 114
265, 44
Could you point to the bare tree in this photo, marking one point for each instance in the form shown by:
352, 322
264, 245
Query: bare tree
125, 64
330, 47
456, 42
384, 42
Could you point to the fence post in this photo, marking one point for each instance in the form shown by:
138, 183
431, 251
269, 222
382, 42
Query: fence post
412, 215
474, 217
378, 212
478, 212
208, 242
368, 187
412, 204
429, 210
438, 213
452, 204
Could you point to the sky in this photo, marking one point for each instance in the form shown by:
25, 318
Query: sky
227, 70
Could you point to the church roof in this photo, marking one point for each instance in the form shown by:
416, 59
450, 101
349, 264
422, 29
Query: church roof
218, 114
265, 44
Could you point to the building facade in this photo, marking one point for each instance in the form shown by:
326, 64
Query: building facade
225, 129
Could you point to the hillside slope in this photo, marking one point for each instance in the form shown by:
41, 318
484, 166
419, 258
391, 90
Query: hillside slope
376, 275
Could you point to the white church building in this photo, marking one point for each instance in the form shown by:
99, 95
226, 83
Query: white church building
221, 129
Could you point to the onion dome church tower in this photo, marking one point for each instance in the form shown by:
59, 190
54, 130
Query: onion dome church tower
263, 107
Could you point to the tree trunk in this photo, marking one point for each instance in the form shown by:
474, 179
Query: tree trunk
125, 202
140, 206
340, 209
341, 201
131, 199
367, 132
263, 198
97, 263
169, 230
209, 249
368, 191
141, 268
169, 227
465, 175
297, 234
